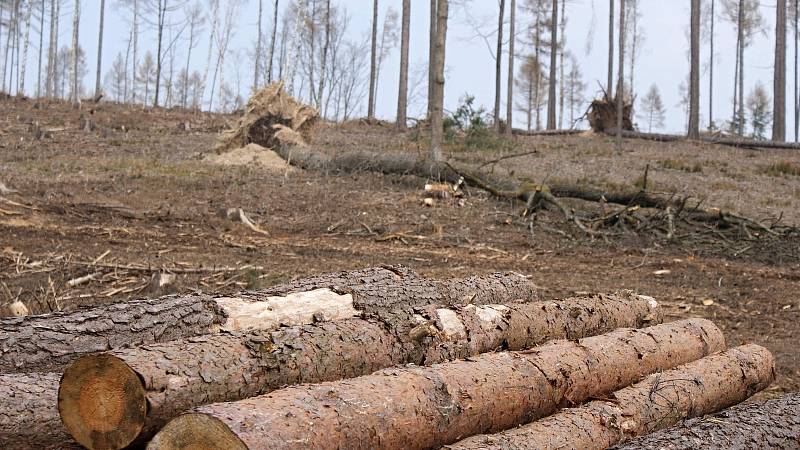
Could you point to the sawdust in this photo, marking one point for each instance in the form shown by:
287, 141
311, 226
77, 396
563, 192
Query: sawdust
251, 154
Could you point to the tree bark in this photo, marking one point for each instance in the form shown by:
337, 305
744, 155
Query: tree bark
551, 99
694, 72
711, 70
25, 45
416, 408
498, 66
272, 42
323, 68
99, 50
257, 63
512, 38
774, 424
162, 12
610, 82
51, 341
779, 75
402, 94
620, 99
178, 375
741, 68
373, 61
437, 93
561, 50
659, 401
76, 14
796, 99
731, 142
431, 55
28, 413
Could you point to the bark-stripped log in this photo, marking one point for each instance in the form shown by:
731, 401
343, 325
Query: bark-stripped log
177, 376
49, 342
418, 408
773, 424
659, 401
28, 413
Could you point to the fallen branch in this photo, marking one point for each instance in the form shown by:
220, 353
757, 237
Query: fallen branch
659, 401
771, 424
416, 408
752, 144
174, 377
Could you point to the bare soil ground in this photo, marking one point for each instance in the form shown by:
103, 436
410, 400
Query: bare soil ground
136, 195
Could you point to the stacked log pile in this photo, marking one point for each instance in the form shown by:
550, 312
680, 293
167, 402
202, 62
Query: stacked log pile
372, 358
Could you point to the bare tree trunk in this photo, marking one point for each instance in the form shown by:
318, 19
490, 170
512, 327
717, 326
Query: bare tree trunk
431, 51
498, 66
373, 61
51, 52
796, 99
25, 45
561, 49
76, 15
402, 93
135, 48
610, 83
621, 75
694, 72
551, 100
741, 67
257, 63
99, 50
41, 47
185, 92
537, 91
162, 13
711, 70
272, 43
437, 67
779, 75
2, 11
512, 37
323, 68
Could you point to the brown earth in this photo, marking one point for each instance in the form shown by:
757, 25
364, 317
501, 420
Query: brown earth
136, 196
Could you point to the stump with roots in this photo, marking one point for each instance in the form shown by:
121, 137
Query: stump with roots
602, 114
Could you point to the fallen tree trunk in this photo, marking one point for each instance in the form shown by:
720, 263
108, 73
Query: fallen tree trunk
731, 142
661, 400
229, 367
418, 408
28, 413
569, 132
51, 341
170, 378
773, 424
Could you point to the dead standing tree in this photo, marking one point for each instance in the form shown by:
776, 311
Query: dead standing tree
402, 94
437, 75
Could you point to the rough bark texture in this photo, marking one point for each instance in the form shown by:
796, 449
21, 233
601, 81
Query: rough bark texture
779, 75
183, 374
402, 86
51, 341
694, 71
661, 400
437, 65
28, 413
416, 408
773, 424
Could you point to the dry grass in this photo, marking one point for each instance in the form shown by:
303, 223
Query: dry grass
783, 168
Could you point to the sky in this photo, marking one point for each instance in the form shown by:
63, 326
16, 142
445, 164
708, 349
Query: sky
663, 60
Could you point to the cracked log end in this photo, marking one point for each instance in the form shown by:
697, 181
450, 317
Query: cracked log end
196, 431
102, 402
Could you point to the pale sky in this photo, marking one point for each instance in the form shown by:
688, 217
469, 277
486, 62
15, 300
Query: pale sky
470, 67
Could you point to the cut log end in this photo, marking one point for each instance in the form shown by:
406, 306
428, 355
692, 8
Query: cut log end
102, 402
196, 431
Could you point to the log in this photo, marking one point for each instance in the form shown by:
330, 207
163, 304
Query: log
752, 144
49, 342
28, 413
167, 379
427, 407
771, 424
660, 400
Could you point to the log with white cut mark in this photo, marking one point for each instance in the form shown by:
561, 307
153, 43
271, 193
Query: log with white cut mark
171, 378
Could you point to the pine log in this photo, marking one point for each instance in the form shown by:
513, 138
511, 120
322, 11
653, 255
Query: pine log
427, 407
659, 401
28, 413
51, 341
751, 144
773, 424
171, 378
